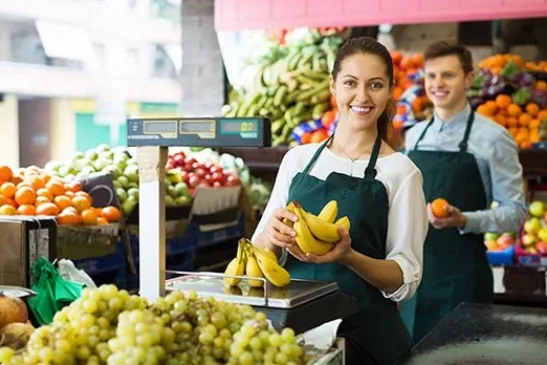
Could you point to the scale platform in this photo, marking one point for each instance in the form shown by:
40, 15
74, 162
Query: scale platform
302, 305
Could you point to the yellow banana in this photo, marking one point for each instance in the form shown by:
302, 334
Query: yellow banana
306, 241
290, 207
253, 270
344, 223
272, 271
266, 251
236, 266
320, 229
329, 211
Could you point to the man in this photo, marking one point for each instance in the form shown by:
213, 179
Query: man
470, 161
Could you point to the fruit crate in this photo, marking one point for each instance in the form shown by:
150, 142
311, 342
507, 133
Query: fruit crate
208, 238
502, 257
105, 269
527, 259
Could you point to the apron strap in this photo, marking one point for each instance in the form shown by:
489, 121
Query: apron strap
370, 171
316, 155
470, 120
423, 133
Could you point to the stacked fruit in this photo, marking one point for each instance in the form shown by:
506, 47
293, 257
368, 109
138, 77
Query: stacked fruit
291, 89
110, 326
317, 130
124, 171
32, 191
524, 122
534, 237
408, 92
15, 329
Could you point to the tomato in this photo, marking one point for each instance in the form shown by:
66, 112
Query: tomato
218, 176
184, 176
216, 168
201, 172
232, 180
193, 180
217, 184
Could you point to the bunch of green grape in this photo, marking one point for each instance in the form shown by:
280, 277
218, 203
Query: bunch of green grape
107, 326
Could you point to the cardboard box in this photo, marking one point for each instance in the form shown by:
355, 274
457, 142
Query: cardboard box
22, 241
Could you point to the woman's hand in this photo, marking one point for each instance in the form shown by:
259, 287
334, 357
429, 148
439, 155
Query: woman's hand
279, 233
339, 252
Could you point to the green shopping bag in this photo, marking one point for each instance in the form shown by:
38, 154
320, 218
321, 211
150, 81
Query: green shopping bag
53, 291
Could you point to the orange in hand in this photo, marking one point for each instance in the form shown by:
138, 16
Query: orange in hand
438, 207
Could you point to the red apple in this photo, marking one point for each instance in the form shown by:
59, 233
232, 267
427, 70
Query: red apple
505, 240
217, 184
218, 177
232, 180
193, 180
215, 168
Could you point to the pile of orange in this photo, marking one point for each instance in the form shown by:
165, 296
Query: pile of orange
522, 122
31, 191
403, 66
496, 63
536, 66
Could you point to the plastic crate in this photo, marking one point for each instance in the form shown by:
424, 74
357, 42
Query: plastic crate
103, 264
211, 238
501, 258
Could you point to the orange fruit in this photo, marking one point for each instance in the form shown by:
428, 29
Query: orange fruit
503, 101
89, 217
25, 195
35, 181
26, 209
45, 193
111, 214
511, 122
438, 207
41, 200
56, 187
542, 115
532, 109
514, 110
7, 209
8, 189
534, 124
524, 120
5, 173
68, 218
73, 186
81, 203
101, 220
85, 195
500, 119
541, 85
47, 209
62, 202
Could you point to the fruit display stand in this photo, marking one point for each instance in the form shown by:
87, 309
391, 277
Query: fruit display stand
151, 137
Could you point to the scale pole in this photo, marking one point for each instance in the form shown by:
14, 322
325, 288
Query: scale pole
152, 161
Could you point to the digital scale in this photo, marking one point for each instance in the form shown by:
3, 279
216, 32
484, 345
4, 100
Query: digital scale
199, 132
302, 305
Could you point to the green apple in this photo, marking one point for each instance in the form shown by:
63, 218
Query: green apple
77, 156
78, 165
122, 194
133, 185
131, 161
491, 236
124, 182
53, 166
169, 201
533, 225
109, 155
131, 172
181, 189
133, 192
102, 148
494, 205
64, 170
116, 184
172, 192
71, 177
91, 155
183, 200
537, 208
101, 163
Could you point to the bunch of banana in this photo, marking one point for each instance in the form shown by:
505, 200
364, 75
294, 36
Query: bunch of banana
256, 263
289, 91
317, 234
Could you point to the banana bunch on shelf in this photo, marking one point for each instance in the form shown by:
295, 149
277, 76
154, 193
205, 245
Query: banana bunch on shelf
317, 234
256, 263
289, 91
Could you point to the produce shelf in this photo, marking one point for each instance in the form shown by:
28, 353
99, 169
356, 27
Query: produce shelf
534, 162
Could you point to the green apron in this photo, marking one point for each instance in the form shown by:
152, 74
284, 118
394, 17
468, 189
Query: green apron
455, 266
376, 334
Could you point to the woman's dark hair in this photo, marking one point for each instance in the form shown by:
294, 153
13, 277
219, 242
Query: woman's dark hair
370, 46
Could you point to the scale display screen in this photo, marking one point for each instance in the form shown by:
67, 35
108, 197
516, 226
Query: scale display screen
199, 132
238, 126
190, 126
160, 127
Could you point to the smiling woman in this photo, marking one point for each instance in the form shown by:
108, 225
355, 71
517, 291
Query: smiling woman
379, 261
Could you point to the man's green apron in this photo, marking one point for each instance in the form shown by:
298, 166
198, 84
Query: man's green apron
375, 335
455, 266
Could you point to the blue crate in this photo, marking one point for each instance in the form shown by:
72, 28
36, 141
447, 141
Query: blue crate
94, 266
501, 258
207, 239
174, 246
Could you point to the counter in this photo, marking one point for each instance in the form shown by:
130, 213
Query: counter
476, 334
